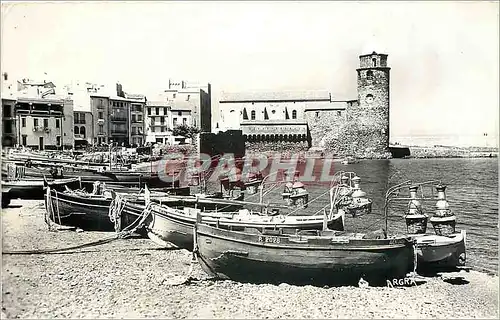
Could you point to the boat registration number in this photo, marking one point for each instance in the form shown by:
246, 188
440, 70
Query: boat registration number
267, 239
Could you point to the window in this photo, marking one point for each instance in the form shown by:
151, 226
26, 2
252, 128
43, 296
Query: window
157, 110
162, 129
294, 114
139, 117
46, 123
173, 96
188, 96
101, 128
25, 137
245, 115
165, 111
58, 140
175, 121
77, 130
369, 75
57, 123
179, 113
23, 122
252, 115
273, 111
374, 60
35, 122
317, 114
184, 121
149, 111
339, 113
133, 118
101, 115
162, 120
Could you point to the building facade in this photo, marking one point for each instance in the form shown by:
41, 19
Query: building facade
44, 123
193, 100
346, 127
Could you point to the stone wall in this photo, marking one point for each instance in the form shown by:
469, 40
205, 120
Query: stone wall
358, 131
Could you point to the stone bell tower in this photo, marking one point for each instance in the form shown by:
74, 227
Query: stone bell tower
373, 97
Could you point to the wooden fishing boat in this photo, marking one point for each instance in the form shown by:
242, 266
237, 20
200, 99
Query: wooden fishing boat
89, 175
170, 225
173, 224
33, 189
82, 210
442, 251
319, 258
91, 211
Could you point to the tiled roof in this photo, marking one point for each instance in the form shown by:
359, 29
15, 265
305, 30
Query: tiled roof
256, 96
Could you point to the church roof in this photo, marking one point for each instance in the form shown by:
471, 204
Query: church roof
266, 96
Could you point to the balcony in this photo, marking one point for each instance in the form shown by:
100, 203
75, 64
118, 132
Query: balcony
118, 131
101, 106
119, 118
41, 129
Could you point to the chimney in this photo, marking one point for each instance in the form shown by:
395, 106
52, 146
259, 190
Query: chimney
119, 90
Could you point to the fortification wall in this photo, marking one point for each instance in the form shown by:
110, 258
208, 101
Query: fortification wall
358, 131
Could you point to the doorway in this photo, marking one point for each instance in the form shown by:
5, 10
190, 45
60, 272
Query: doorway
40, 143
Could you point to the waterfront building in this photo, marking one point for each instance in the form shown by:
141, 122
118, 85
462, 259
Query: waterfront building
346, 126
190, 103
34, 116
158, 123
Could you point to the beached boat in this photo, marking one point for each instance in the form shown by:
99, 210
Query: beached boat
445, 250
441, 253
89, 175
307, 258
33, 189
79, 209
174, 225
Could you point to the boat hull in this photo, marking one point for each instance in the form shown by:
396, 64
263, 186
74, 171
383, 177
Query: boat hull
91, 214
170, 226
33, 189
439, 253
255, 258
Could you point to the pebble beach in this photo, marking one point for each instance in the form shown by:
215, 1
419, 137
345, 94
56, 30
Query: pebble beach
134, 278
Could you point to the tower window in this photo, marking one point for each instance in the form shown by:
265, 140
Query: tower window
252, 115
294, 114
374, 60
369, 75
339, 113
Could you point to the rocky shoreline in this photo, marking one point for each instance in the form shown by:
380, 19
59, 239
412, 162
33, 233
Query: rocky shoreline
133, 278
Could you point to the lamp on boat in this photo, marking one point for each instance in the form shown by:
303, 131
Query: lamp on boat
253, 182
444, 220
360, 204
299, 195
287, 192
416, 220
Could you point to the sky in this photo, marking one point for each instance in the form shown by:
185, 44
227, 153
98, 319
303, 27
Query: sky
444, 56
